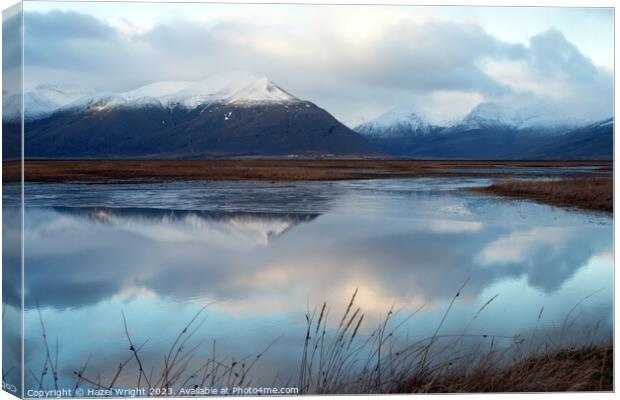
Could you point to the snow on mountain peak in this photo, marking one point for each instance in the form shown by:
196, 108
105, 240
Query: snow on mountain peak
487, 114
231, 87
531, 116
398, 121
262, 90
42, 101
241, 88
157, 89
534, 115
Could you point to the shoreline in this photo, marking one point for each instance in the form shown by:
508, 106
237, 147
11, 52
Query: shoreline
140, 171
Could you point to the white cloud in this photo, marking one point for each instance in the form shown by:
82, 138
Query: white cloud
521, 246
454, 226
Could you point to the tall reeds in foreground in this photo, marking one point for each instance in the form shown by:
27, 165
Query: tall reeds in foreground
341, 360
345, 357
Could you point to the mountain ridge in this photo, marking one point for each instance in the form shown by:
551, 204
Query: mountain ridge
492, 131
239, 114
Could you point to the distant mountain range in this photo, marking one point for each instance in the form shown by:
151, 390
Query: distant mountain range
237, 114
492, 130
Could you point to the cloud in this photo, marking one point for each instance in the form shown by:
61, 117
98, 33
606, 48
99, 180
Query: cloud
550, 54
357, 65
432, 56
66, 25
553, 69
547, 255
519, 246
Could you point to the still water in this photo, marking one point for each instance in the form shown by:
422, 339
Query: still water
262, 254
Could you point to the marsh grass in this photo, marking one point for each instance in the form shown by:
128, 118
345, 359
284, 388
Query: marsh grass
586, 193
343, 356
261, 169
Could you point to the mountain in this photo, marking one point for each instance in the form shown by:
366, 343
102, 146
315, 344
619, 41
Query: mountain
535, 116
397, 131
237, 114
400, 121
232, 114
41, 102
493, 130
593, 141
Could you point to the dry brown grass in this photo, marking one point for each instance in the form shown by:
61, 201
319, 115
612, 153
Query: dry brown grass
563, 370
257, 169
586, 193
344, 361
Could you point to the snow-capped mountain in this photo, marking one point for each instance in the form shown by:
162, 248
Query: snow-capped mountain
497, 115
492, 130
534, 116
240, 114
231, 114
42, 101
397, 131
240, 88
233, 88
399, 121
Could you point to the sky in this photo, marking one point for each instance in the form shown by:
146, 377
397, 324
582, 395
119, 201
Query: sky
357, 62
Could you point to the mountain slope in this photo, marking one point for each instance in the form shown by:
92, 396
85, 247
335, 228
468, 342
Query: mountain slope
592, 142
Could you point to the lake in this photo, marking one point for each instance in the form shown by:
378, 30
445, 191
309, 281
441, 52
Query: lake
261, 254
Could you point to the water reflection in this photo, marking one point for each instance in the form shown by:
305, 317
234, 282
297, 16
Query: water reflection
102, 252
397, 241
235, 256
225, 228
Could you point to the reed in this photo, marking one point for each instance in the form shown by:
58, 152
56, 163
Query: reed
439, 364
347, 357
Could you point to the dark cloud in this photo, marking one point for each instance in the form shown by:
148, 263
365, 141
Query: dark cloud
71, 41
66, 25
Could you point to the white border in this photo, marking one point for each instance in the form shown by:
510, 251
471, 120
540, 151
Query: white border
495, 3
